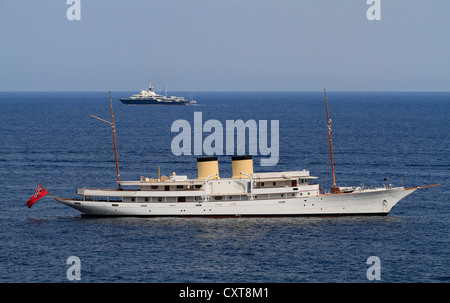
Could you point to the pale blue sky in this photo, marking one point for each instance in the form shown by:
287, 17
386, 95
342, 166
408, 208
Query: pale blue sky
226, 45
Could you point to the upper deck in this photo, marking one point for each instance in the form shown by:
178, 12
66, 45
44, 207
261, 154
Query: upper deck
262, 185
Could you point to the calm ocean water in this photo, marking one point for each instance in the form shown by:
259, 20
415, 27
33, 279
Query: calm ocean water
50, 138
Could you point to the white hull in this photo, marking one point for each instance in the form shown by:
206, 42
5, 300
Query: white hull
368, 202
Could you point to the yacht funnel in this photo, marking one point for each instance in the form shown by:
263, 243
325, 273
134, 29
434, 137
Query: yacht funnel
208, 166
242, 164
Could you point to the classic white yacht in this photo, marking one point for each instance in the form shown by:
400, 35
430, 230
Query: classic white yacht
245, 193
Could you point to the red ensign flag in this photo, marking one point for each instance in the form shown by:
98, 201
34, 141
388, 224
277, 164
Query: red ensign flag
40, 192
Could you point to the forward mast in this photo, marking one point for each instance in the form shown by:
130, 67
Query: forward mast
334, 188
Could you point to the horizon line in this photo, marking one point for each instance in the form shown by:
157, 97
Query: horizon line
231, 91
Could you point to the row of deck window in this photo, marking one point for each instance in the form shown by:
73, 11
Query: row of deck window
213, 198
257, 185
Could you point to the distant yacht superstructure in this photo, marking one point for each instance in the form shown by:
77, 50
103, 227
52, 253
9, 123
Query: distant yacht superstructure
149, 97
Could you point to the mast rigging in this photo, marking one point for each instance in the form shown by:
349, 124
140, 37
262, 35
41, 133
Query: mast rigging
114, 138
334, 188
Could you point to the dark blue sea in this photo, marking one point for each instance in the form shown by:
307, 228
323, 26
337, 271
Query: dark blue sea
378, 138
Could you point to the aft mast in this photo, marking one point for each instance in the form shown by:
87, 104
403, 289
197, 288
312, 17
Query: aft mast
114, 137
334, 188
